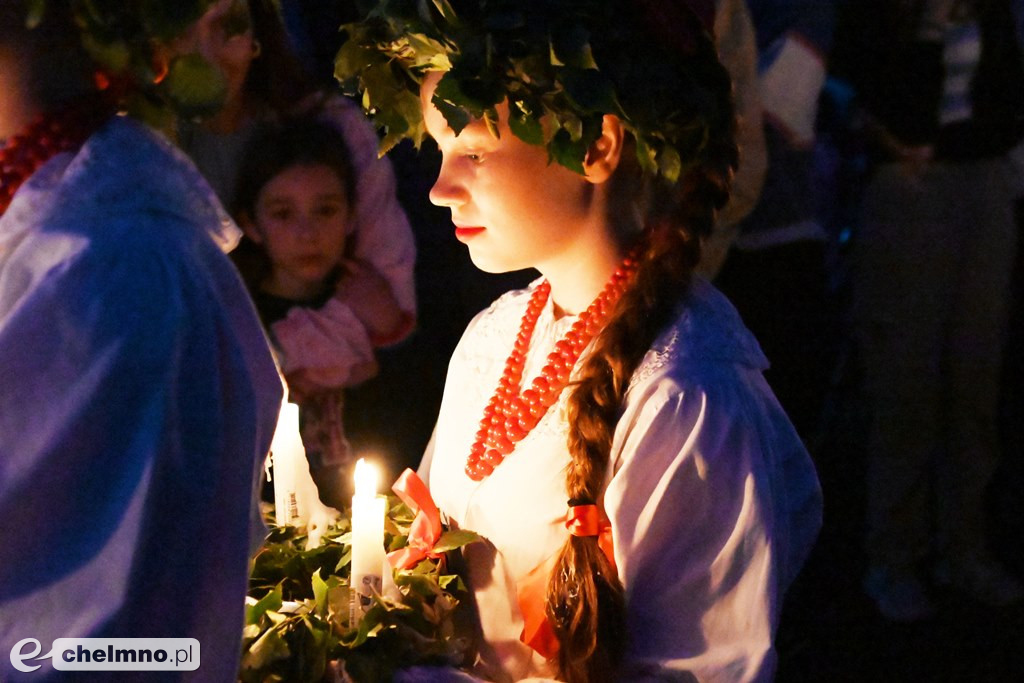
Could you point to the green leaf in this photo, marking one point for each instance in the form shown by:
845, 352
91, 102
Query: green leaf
524, 124
455, 538
446, 580
268, 648
566, 151
669, 163
338, 600
646, 155
320, 592
270, 601
421, 584
352, 58
370, 624
456, 117
345, 560
195, 86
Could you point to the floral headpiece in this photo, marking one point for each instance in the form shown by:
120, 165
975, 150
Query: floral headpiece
650, 62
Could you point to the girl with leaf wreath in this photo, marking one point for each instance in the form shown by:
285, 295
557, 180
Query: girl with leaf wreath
644, 499
139, 394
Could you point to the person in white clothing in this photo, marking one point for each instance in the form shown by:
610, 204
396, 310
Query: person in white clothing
643, 498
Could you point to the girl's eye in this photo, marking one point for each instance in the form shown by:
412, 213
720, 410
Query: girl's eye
281, 214
328, 210
475, 157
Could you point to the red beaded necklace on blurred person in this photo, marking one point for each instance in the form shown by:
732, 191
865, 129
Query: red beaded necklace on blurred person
45, 137
511, 414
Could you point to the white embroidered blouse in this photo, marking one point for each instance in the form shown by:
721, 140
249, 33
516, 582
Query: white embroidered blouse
713, 499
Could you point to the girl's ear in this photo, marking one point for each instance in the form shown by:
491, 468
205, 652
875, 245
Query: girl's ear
605, 153
249, 228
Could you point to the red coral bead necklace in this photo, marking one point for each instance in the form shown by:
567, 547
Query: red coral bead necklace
45, 137
511, 414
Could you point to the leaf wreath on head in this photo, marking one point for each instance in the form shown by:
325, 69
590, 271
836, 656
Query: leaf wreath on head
561, 65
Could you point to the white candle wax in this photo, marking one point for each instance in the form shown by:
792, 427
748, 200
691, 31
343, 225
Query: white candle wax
368, 556
289, 461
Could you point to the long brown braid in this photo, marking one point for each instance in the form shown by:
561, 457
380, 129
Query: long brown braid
586, 603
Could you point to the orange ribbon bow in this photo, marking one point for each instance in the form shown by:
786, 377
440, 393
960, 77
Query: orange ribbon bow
426, 526
580, 520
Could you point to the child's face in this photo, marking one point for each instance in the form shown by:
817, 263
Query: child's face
509, 205
301, 219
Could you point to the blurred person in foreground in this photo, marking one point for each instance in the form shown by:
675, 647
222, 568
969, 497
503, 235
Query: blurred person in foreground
139, 394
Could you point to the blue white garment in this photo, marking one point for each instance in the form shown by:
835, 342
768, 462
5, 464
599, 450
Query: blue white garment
138, 399
713, 500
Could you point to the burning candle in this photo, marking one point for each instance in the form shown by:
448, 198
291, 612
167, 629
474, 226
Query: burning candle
367, 538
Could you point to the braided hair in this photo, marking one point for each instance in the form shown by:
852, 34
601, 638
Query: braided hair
586, 604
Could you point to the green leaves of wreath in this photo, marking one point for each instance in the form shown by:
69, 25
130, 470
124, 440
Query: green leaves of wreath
297, 613
559, 76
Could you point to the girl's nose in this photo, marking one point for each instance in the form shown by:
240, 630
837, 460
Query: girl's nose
447, 192
306, 226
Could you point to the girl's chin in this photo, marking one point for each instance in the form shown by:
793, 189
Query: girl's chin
489, 263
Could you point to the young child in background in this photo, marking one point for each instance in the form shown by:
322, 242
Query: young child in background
295, 201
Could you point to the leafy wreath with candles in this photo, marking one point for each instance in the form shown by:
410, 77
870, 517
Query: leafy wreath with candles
561, 64
297, 620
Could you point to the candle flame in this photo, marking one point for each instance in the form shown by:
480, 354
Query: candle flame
366, 477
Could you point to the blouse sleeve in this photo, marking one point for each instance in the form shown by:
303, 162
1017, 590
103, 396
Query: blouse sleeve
700, 534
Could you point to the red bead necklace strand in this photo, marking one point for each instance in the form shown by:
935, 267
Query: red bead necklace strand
511, 414
44, 138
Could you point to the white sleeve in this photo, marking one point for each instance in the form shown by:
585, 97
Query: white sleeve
692, 508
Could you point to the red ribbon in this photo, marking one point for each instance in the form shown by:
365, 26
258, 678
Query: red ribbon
426, 526
589, 520
580, 520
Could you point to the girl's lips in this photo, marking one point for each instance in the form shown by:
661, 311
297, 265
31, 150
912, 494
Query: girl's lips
463, 234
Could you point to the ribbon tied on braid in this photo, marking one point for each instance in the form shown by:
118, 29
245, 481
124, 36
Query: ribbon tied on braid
582, 519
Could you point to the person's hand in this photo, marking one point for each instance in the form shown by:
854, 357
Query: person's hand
369, 296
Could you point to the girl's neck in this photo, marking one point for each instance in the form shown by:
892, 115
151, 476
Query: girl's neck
292, 289
576, 281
